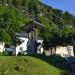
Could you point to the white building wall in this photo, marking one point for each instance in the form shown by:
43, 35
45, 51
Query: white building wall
65, 51
23, 45
41, 48
70, 48
2, 48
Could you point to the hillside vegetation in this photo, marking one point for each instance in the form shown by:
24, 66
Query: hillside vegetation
27, 66
60, 26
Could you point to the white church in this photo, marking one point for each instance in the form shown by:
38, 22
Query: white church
29, 40
23, 47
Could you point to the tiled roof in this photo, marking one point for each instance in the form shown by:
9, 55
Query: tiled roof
22, 34
25, 35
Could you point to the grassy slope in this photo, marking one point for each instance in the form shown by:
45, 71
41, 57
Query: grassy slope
26, 66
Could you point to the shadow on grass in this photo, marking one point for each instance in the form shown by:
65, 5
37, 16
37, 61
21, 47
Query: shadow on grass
56, 61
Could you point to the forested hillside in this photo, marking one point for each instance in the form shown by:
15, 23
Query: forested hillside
60, 26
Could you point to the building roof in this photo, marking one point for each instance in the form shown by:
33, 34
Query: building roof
33, 24
25, 35
22, 34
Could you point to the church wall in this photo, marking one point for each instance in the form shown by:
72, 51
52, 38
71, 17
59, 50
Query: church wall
23, 46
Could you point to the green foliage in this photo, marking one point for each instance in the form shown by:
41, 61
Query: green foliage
15, 13
1, 53
4, 36
11, 20
21, 54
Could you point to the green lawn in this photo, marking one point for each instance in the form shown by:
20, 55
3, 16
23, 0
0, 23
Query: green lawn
26, 65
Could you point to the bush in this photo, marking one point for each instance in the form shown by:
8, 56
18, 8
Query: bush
1, 53
44, 54
20, 54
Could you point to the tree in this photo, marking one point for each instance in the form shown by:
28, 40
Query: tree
15, 40
17, 3
4, 36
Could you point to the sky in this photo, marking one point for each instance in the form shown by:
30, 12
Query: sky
65, 5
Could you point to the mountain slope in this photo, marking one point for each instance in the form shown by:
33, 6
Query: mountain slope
60, 26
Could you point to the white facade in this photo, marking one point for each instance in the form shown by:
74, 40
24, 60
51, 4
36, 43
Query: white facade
2, 48
40, 48
23, 47
65, 51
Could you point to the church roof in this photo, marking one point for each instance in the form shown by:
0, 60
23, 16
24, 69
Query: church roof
33, 24
25, 35
22, 34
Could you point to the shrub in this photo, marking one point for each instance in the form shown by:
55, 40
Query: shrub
20, 54
44, 54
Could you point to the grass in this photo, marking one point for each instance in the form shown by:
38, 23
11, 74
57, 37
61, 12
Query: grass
27, 65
